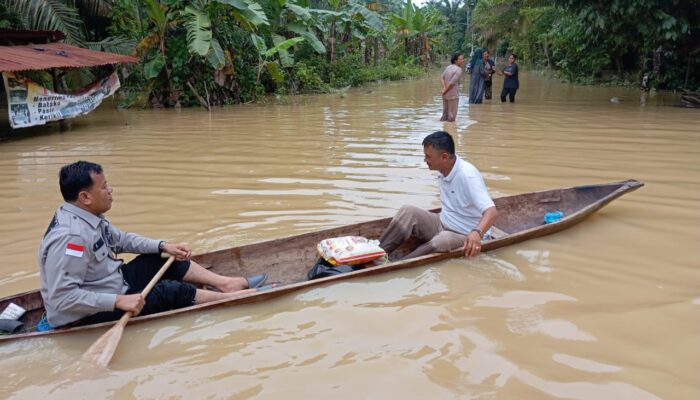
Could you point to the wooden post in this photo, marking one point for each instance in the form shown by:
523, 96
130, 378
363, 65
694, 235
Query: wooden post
201, 99
59, 87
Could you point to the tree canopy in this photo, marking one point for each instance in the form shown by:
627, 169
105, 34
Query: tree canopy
582, 39
213, 52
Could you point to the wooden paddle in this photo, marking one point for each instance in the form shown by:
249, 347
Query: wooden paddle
101, 352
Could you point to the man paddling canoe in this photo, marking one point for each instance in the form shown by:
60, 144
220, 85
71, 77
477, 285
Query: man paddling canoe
468, 212
82, 280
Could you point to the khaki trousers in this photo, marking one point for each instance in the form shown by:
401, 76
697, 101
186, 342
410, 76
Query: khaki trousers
424, 226
449, 109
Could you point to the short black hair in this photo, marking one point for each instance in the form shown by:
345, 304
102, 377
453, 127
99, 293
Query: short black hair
514, 56
455, 56
440, 140
74, 178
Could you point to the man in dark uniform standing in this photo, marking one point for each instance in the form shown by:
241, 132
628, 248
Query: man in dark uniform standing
82, 281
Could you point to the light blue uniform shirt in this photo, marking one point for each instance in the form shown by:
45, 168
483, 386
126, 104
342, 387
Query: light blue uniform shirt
80, 273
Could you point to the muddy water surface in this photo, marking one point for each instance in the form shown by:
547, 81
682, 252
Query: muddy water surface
609, 309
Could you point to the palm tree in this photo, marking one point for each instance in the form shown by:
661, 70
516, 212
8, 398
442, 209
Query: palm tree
49, 15
65, 16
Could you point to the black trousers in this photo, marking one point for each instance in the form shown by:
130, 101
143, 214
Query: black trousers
168, 294
488, 84
510, 92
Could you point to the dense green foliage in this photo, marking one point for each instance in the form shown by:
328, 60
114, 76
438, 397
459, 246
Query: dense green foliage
214, 52
593, 40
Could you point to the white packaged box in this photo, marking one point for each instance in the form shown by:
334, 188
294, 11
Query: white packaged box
13, 311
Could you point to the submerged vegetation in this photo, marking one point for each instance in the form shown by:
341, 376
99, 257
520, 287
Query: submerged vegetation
216, 52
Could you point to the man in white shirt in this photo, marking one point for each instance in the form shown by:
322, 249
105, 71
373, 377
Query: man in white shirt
468, 212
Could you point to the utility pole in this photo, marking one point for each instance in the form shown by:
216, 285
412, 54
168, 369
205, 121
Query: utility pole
470, 4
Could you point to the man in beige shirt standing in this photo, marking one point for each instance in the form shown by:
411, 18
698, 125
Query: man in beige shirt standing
450, 87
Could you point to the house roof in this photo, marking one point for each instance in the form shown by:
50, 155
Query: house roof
16, 37
55, 55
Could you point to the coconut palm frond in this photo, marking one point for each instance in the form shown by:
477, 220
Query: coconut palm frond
50, 15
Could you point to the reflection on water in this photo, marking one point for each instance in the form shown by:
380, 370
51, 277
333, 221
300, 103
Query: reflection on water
604, 310
584, 364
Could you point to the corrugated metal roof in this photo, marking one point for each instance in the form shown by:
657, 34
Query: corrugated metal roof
55, 55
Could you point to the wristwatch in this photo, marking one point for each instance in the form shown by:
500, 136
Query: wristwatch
477, 230
161, 245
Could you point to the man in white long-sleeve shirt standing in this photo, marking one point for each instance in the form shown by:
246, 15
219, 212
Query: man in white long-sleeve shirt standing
83, 281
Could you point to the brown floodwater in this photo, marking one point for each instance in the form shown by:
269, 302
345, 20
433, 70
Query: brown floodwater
609, 309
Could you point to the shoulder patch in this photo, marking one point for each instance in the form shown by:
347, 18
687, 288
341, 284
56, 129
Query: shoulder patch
54, 222
74, 249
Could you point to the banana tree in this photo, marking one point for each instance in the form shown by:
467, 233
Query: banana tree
289, 19
195, 16
266, 56
427, 29
200, 36
367, 27
289, 23
419, 28
160, 17
352, 17
284, 24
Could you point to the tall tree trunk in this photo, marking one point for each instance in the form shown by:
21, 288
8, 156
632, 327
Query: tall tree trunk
546, 53
368, 51
376, 51
347, 34
657, 61
331, 44
618, 63
173, 95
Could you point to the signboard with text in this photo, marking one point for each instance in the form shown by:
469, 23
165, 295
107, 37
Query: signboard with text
30, 104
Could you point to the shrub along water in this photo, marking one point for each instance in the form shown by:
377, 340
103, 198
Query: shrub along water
217, 52
582, 40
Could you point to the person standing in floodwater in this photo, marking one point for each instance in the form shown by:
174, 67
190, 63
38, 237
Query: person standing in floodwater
449, 80
511, 82
476, 84
490, 68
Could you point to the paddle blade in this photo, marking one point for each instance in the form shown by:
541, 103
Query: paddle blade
102, 351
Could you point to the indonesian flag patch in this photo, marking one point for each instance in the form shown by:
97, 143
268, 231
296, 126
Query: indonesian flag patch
74, 250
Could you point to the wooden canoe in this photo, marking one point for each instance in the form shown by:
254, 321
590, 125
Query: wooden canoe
287, 260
